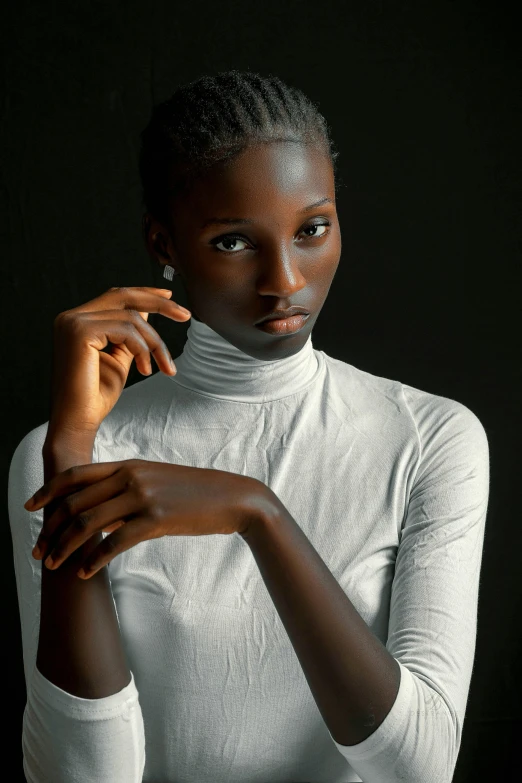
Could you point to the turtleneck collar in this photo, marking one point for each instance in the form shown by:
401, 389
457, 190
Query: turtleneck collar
211, 365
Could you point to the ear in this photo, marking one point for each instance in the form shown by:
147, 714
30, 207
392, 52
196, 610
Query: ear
158, 241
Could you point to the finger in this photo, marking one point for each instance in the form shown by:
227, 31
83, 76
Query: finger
132, 533
131, 333
136, 299
145, 298
70, 480
97, 491
115, 526
166, 293
88, 523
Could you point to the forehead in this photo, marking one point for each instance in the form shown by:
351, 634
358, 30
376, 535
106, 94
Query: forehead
265, 176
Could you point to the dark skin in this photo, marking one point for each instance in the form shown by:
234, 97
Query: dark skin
285, 256
351, 674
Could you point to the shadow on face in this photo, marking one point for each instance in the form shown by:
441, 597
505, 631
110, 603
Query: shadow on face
256, 234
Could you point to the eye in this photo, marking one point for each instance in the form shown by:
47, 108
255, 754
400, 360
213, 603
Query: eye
326, 227
227, 240
230, 240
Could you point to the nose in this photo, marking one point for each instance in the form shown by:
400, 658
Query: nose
280, 274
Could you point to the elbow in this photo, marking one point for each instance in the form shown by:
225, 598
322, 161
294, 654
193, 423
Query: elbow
433, 738
445, 732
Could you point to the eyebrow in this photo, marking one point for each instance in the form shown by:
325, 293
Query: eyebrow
224, 221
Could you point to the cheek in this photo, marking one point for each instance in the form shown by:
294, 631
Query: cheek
219, 293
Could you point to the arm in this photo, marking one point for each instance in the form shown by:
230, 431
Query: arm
79, 647
433, 609
352, 676
65, 738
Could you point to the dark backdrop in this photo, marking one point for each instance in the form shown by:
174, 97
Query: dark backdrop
424, 100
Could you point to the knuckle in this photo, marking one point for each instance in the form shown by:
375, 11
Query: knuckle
63, 321
157, 516
139, 321
74, 326
134, 316
81, 522
109, 544
139, 491
130, 482
154, 512
128, 472
133, 480
68, 505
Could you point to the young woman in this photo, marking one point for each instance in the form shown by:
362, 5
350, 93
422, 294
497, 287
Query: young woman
281, 551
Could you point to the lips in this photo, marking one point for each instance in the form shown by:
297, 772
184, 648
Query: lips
278, 315
278, 327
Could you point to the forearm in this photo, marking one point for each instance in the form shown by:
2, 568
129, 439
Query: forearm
353, 678
79, 647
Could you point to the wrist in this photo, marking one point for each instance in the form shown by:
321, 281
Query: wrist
62, 450
61, 437
263, 510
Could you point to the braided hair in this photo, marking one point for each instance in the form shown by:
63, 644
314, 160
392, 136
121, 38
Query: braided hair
212, 120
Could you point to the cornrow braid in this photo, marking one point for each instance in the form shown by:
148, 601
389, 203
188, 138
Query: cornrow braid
215, 118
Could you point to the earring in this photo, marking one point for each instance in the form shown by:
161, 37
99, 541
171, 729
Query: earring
169, 272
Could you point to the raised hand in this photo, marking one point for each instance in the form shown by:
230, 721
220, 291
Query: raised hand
87, 381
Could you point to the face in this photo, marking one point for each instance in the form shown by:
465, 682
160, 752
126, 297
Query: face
247, 240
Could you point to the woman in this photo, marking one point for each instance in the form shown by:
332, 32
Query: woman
293, 544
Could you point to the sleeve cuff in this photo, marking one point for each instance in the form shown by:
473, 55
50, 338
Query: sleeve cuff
393, 725
121, 704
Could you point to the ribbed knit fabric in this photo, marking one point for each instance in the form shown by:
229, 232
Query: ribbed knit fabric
389, 483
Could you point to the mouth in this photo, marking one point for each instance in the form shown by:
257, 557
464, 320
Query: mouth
281, 326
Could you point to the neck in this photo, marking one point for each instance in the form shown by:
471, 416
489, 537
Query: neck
212, 366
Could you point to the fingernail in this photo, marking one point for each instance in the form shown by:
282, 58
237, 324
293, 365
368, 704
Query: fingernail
184, 310
37, 551
49, 562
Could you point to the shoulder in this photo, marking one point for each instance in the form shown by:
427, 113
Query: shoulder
398, 408
437, 417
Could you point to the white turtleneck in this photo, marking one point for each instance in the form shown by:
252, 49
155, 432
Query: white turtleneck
389, 483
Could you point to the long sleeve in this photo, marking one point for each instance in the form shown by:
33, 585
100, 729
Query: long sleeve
434, 600
64, 738
390, 485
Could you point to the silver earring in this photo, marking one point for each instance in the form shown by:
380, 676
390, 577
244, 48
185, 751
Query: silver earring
169, 272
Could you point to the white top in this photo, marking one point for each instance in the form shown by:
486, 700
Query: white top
389, 483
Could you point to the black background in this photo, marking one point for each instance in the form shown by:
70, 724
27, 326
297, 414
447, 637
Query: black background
424, 101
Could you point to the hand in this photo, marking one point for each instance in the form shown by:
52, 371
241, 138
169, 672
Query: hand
87, 381
139, 500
